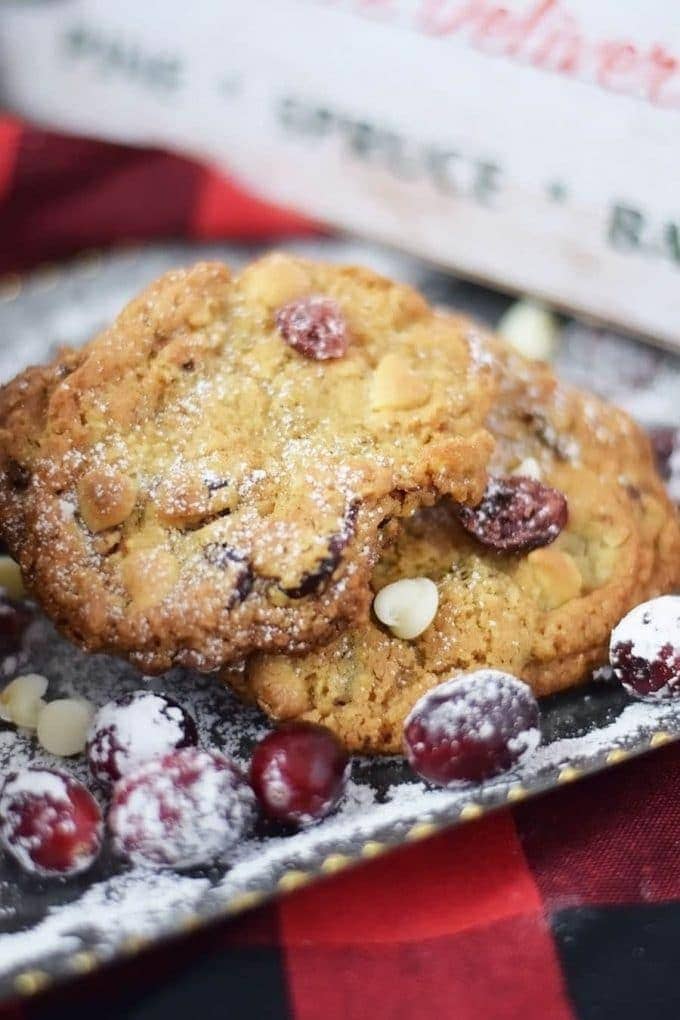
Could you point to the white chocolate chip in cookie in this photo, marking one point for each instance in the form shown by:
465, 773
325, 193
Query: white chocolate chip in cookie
396, 387
275, 281
63, 726
21, 700
556, 576
407, 607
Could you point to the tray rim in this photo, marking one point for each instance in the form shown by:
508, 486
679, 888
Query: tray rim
26, 982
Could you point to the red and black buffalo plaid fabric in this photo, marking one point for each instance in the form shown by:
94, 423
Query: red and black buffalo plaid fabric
564, 908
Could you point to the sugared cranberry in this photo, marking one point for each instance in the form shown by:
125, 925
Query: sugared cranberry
516, 514
182, 810
137, 726
49, 822
644, 650
314, 326
299, 773
14, 619
471, 728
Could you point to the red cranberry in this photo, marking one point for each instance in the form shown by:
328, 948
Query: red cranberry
49, 822
516, 514
134, 728
314, 326
645, 649
182, 810
14, 619
299, 773
471, 728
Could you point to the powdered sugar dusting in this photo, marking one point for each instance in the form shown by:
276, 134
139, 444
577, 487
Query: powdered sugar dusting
32, 782
129, 906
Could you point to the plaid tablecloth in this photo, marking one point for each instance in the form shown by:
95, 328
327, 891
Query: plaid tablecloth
565, 907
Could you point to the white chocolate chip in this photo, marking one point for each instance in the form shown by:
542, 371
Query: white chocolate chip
529, 468
63, 725
21, 700
407, 607
10, 578
531, 329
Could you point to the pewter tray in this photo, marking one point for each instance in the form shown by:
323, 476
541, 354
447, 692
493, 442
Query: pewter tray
51, 931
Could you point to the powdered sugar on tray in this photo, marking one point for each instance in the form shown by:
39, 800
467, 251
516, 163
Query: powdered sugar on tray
141, 903
135, 905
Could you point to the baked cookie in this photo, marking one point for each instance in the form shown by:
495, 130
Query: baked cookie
213, 474
543, 613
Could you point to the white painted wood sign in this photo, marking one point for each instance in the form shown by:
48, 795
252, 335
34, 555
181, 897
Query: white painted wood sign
531, 143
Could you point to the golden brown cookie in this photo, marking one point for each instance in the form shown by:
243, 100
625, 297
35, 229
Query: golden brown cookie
213, 473
544, 614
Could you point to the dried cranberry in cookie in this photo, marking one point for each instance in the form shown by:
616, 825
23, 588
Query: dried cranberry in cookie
49, 822
14, 619
133, 728
516, 514
299, 773
314, 326
182, 810
471, 728
645, 649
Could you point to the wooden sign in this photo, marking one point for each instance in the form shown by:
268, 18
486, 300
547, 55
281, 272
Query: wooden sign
534, 144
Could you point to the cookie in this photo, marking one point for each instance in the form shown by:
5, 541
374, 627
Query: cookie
543, 612
214, 473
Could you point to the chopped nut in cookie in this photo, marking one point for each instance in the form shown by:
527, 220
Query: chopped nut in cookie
105, 498
396, 386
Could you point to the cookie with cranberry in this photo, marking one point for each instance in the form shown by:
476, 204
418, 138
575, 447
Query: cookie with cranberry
574, 529
213, 474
